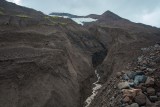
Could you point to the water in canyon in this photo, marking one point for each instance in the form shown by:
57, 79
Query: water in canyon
94, 90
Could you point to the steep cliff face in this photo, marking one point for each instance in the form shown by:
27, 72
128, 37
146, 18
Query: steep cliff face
44, 61
45, 70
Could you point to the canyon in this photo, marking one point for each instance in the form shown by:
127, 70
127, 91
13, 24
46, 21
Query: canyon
48, 61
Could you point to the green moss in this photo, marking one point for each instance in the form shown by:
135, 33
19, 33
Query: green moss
54, 20
1, 13
51, 17
1, 8
63, 24
23, 16
47, 17
54, 17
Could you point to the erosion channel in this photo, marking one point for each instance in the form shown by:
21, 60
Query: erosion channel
94, 90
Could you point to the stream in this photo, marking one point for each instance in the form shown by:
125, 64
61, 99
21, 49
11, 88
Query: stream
94, 90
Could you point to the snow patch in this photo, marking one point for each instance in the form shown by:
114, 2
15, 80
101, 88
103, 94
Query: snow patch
79, 20
83, 20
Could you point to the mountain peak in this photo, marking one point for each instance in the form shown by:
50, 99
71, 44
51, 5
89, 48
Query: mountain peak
108, 12
65, 15
110, 15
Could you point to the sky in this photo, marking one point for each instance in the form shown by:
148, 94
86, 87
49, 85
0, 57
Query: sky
140, 11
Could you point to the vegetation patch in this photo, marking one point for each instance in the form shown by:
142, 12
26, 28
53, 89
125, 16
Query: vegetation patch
1, 13
1, 8
54, 20
23, 16
47, 17
63, 24
54, 17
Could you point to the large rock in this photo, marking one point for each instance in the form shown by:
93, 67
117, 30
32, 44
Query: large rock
157, 104
148, 102
126, 100
150, 91
131, 92
140, 99
125, 77
158, 94
134, 105
153, 98
123, 85
149, 81
131, 74
140, 72
139, 79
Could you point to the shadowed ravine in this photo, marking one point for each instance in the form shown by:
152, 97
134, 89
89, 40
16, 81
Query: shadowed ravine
94, 90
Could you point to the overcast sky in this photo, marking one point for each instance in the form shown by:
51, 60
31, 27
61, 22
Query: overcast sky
144, 11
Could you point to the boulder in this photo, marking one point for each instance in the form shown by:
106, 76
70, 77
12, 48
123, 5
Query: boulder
125, 77
150, 70
134, 105
143, 88
157, 83
157, 60
126, 100
153, 98
158, 94
139, 79
149, 81
140, 99
157, 104
143, 68
150, 91
131, 92
123, 85
144, 62
139, 72
131, 84
131, 74
148, 102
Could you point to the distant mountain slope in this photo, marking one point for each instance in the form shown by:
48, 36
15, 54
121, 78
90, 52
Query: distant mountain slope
15, 15
9, 8
94, 16
109, 19
65, 15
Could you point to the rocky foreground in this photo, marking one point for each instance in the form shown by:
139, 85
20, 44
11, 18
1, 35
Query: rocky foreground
140, 83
